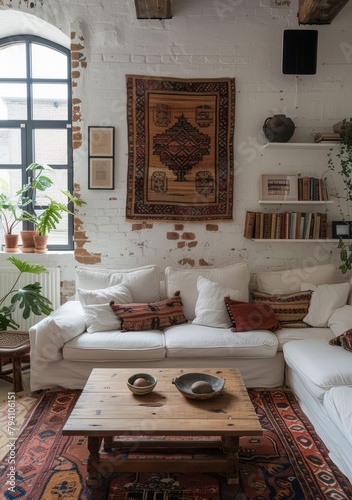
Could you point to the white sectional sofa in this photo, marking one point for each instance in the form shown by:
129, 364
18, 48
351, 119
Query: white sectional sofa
86, 333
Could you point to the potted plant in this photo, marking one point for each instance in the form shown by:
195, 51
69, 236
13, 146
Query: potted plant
29, 298
50, 214
340, 162
10, 218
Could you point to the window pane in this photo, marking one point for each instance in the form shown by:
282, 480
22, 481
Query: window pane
13, 101
50, 146
48, 63
13, 61
10, 183
50, 101
10, 146
59, 178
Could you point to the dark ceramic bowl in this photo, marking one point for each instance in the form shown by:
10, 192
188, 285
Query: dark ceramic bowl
185, 382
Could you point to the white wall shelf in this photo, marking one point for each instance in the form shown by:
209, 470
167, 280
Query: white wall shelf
301, 145
297, 202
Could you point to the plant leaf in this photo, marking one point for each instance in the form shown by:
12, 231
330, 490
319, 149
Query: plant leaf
30, 299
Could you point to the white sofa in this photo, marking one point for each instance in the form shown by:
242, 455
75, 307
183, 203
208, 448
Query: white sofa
64, 351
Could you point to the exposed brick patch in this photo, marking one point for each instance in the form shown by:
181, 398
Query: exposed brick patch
192, 244
181, 244
185, 262
78, 61
188, 236
141, 225
76, 137
67, 290
212, 227
84, 257
202, 262
172, 236
179, 227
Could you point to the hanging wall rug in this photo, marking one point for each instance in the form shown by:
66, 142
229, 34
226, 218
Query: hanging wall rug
180, 151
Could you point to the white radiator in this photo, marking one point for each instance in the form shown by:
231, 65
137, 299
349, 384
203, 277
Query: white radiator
50, 283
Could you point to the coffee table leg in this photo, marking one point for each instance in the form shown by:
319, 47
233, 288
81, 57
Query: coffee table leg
17, 374
230, 447
93, 477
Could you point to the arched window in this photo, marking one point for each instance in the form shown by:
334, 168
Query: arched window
35, 119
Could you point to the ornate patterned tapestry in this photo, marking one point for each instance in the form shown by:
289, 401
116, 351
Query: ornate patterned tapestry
180, 152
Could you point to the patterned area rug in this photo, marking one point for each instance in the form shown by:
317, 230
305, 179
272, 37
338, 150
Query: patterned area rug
288, 462
180, 153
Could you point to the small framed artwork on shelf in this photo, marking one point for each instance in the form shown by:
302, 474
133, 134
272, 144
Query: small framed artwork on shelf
101, 142
277, 187
101, 173
341, 229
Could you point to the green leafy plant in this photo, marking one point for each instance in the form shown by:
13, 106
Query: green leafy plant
51, 214
29, 298
9, 210
340, 162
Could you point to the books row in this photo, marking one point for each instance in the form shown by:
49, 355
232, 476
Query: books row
285, 225
312, 189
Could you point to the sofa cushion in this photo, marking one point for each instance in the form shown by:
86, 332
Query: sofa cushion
116, 346
289, 308
344, 340
324, 301
210, 307
338, 405
97, 311
197, 341
320, 365
289, 334
150, 316
143, 282
341, 320
236, 277
290, 281
246, 317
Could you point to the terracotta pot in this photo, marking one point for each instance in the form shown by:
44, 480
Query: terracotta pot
27, 238
40, 243
11, 243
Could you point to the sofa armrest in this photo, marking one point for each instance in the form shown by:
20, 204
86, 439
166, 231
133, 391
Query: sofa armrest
51, 333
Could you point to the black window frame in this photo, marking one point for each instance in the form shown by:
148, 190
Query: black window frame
29, 125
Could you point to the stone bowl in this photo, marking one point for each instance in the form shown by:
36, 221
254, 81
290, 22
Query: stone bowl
184, 384
140, 391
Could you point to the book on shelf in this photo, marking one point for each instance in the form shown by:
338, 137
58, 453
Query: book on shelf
249, 225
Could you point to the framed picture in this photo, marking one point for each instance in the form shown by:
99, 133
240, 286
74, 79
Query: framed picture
101, 173
341, 229
278, 187
101, 141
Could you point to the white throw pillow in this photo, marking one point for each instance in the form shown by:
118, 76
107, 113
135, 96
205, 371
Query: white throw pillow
236, 277
118, 293
341, 320
325, 300
143, 282
210, 307
97, 311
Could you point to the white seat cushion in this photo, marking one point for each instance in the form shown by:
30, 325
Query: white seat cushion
338, 405
196, 341
288, 334
321, 365
116, 346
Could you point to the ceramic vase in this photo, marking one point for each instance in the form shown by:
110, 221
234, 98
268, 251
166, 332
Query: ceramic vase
40, 243
278, 128
11, 243
27, 238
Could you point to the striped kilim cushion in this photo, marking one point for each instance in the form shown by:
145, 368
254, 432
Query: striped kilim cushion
150, 316
344, 340
290, 309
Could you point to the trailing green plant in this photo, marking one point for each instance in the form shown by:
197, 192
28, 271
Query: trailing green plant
340, 162
51, 214
29, 298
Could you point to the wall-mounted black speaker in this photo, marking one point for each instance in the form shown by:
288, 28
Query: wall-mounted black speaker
299, 56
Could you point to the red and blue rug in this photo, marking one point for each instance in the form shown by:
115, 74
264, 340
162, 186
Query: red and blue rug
288, 462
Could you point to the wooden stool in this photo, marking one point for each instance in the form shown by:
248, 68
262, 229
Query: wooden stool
13, 345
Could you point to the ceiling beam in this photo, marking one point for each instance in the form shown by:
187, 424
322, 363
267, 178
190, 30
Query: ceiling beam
319, 11
154, 9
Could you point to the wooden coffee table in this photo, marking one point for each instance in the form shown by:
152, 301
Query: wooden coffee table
106, 408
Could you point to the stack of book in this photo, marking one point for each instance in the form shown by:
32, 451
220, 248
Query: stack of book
284, 225
330, 136
312, 189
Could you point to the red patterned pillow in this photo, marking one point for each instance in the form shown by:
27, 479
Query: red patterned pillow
150, 316
290, 309
344, 340
246, 317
